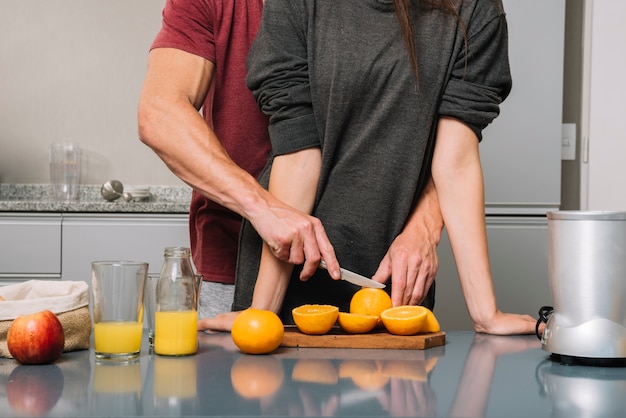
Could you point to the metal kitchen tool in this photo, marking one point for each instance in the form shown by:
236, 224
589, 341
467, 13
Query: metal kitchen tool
587, 276
113, 190
354, 278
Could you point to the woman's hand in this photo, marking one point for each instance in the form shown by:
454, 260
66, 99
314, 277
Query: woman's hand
411, 260
412, 263
501, 323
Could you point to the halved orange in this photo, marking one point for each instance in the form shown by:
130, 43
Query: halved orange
315, 319
431, 324
315, 371
365, 374
354, 323
404, 320
406, 370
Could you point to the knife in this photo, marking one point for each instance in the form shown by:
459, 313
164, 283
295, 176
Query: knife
354, 278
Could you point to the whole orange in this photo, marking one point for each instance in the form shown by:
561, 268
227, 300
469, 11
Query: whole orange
369, 301
257, 331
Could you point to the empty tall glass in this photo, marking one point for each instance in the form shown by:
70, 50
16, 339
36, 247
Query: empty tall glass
64, 170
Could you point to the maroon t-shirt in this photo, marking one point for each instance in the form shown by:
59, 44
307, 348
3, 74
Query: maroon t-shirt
220, 31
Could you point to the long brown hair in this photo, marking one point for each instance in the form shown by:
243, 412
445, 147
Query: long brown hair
403, 13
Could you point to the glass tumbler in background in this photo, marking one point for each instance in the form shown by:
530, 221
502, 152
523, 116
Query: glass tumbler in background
149, 303
64, 170
118, 290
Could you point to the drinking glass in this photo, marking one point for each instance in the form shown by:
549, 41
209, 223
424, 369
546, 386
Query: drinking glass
64, 170
118, 290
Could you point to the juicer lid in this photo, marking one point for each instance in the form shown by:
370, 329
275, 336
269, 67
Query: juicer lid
590, 215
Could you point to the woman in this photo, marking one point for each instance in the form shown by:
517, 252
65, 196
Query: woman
374, 104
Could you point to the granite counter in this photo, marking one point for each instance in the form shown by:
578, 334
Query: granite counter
38, 198
473, 375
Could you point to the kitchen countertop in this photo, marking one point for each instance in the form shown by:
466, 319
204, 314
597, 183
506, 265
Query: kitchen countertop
473, 375
38, 198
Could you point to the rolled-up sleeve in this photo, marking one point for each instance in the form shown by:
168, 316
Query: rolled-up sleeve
480, 82
278, 76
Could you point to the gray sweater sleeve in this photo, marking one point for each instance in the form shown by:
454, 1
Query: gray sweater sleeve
482, 81
278, 75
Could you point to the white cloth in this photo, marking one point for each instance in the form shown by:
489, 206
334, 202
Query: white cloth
35, 295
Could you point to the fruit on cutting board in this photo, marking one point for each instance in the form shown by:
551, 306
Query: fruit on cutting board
36, 338
431, 324
404, 320
257, 331
315, 319
354, 323
370, 301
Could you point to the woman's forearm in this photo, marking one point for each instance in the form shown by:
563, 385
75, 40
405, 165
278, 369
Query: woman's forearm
457, 175
293, 180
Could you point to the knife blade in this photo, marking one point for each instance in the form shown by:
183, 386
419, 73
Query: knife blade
355, 278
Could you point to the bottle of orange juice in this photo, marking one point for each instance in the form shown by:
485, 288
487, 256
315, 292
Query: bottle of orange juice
176, 317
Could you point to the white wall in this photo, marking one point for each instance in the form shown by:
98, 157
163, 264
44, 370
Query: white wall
604, 108
71, 70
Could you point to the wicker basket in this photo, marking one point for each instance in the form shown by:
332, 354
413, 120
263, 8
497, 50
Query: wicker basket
69, 300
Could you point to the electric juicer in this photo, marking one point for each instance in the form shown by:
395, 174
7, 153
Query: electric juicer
587, 277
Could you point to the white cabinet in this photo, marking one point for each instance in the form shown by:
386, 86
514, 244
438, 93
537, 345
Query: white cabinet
136, 237
30, 247
62, 246
518, 251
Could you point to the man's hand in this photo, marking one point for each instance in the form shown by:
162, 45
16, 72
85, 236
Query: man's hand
297, 238
221, 322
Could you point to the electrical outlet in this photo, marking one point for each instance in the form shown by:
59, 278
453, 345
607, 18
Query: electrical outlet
568, 141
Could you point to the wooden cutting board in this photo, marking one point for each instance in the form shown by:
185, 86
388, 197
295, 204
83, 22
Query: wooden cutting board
376, 339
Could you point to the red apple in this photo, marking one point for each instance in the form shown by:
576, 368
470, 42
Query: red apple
37, 338
34, 391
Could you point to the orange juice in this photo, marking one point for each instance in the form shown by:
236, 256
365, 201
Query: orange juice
116, 378
176, 333
175, 377
115, 337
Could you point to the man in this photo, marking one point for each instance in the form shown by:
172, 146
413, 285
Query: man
198, 61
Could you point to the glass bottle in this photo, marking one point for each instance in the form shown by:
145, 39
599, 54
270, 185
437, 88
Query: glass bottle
176, 317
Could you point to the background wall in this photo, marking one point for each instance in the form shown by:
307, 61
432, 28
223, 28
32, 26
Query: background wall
604, 136
72, 70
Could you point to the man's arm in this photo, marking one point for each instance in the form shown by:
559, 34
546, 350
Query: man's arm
294, 179
175, 87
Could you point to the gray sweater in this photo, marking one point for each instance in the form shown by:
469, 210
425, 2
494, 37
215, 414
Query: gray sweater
336, 74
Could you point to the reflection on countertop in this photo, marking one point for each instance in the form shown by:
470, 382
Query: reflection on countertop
38, 198
473, 375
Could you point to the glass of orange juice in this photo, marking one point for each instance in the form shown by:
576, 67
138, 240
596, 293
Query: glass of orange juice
118, 291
